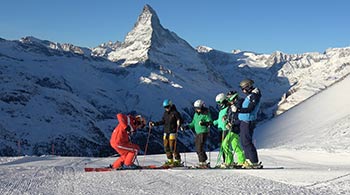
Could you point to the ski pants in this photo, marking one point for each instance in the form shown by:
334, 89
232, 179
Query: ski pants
200, 142
169, 141
247, 130
231, 144
127, 153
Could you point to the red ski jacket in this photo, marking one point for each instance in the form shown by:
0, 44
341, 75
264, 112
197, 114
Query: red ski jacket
120, 136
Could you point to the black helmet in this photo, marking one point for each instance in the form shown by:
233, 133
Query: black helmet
232, 95
246, 84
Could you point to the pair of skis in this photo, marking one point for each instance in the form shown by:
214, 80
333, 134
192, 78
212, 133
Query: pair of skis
154, 167
105, 169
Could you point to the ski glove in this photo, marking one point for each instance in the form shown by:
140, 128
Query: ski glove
228, 126
204, 123
234, 108
184, 127
151, 123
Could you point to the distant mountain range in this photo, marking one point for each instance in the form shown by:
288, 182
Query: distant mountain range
62, 99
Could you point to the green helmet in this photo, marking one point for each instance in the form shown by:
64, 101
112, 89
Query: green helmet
231, 95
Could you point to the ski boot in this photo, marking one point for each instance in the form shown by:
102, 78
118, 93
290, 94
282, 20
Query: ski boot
168, 163
177, 163
203, 165
133, 166
249, 165
223, 166
238, 165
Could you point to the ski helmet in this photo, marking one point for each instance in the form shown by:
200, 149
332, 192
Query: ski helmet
199, 104
167, 102
220, 98
246, 84
231, 95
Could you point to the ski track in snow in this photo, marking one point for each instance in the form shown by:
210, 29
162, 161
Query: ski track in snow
65, 175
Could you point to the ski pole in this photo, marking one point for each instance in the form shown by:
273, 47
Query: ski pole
185, 159
149, 133
219, 156
137, 161
221, 150
177, 130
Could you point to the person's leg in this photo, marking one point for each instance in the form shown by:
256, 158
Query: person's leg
237, 148
246, 135
167, 147
200, 141
173, 147
131, 154
227, 152
119, 162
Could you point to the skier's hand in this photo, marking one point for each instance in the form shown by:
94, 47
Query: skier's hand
183, 127
228, 126
128, 129
233, 108
224, 118
205, 123
151, 124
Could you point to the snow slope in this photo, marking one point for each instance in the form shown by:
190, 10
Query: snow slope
310, 141
321, 122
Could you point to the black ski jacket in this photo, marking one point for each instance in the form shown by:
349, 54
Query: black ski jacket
169, 120
233, 116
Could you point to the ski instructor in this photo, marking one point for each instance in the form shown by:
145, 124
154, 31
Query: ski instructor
121, 143
247, 115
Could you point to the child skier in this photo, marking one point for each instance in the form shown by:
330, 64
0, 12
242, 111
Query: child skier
120, 140
220, 122
171, 120
200, 123
232, 139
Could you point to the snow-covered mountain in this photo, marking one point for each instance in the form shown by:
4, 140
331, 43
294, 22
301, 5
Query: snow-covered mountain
105, 48
63, 98
150, 42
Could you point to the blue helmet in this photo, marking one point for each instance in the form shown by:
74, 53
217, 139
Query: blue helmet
167, 102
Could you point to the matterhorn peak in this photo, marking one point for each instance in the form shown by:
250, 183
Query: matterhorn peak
148, 16
149, 40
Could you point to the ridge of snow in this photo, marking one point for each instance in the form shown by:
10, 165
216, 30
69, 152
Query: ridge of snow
321, 123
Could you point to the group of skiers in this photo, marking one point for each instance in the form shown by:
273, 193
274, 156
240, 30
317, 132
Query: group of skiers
236, 121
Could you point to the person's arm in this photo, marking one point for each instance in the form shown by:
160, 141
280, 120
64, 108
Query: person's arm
216, 122
254, 100
157, 123
123, 122
207, 120
191, 125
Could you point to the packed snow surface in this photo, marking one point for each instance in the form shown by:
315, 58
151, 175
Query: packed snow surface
305, 172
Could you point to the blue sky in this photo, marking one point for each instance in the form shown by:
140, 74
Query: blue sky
263, 26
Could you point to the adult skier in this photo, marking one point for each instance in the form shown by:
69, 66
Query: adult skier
248, 115
121, 143
200, 123
232, 140
171, 121
220, 122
